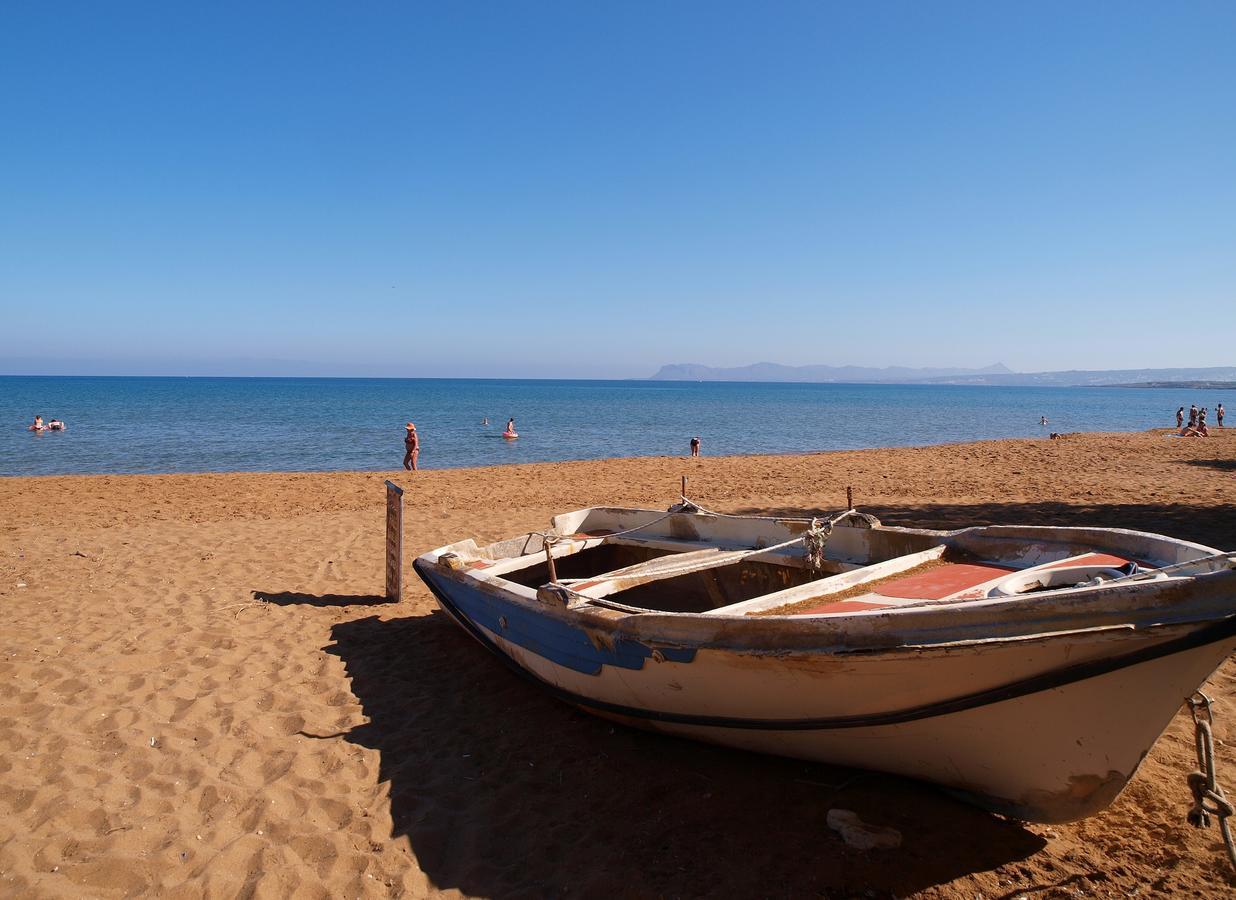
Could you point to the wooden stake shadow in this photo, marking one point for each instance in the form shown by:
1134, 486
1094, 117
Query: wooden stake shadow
291, 598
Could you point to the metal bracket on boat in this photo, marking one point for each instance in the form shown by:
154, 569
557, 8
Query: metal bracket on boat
1208, 798
549, 541
554, 595
452, 561
857, 519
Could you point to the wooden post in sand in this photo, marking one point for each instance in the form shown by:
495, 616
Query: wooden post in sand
394, 542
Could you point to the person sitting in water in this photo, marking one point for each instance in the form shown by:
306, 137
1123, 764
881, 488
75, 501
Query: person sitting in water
55, 425
38, 424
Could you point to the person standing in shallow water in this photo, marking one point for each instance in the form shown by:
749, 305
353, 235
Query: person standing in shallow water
695, 446
1219, 414
411, 448
1180, 417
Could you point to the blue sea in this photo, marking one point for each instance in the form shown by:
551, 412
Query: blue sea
314, 424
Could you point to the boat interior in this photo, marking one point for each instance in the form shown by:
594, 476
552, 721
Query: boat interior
687, 562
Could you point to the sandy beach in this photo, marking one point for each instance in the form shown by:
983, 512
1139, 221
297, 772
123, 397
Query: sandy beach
204, 694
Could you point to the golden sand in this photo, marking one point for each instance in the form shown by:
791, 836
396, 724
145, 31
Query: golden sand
202, 694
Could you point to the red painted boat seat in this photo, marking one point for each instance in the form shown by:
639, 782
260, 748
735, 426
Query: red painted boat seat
938, 583
934, 584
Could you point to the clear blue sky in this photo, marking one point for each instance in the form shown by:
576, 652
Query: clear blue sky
584, 189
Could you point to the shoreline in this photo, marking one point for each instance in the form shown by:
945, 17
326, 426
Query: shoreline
1162, 432
310, 738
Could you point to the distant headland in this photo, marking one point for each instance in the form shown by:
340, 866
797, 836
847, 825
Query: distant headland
997, 374
1191, 385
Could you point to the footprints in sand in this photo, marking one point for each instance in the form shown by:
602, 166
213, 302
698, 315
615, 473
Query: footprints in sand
232, 797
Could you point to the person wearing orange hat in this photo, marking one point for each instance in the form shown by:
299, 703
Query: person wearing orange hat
411, 448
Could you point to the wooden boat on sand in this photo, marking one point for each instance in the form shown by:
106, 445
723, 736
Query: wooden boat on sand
1029, 669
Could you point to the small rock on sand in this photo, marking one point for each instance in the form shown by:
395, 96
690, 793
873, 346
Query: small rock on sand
859, 835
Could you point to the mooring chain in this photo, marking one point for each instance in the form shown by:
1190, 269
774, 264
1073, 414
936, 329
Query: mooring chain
1208, 799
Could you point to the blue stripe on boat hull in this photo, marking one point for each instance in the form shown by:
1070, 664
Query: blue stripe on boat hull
553, 639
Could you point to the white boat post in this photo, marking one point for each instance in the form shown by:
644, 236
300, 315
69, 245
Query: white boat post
394, 542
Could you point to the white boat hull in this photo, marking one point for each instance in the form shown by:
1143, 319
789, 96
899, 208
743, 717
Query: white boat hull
1051, 755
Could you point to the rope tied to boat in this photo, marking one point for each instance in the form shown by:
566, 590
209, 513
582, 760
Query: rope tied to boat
551, 538
815, 538
1208, 798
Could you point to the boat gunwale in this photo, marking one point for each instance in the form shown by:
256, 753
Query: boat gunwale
639, 623
912, 629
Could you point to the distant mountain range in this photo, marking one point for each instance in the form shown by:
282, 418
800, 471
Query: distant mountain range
997, 374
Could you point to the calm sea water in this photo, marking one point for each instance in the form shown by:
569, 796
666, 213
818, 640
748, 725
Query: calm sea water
309, 424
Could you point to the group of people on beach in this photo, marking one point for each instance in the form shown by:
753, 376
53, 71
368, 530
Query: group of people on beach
38, 426
1196, 426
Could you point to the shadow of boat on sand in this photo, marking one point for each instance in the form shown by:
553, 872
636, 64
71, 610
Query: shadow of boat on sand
503, 791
